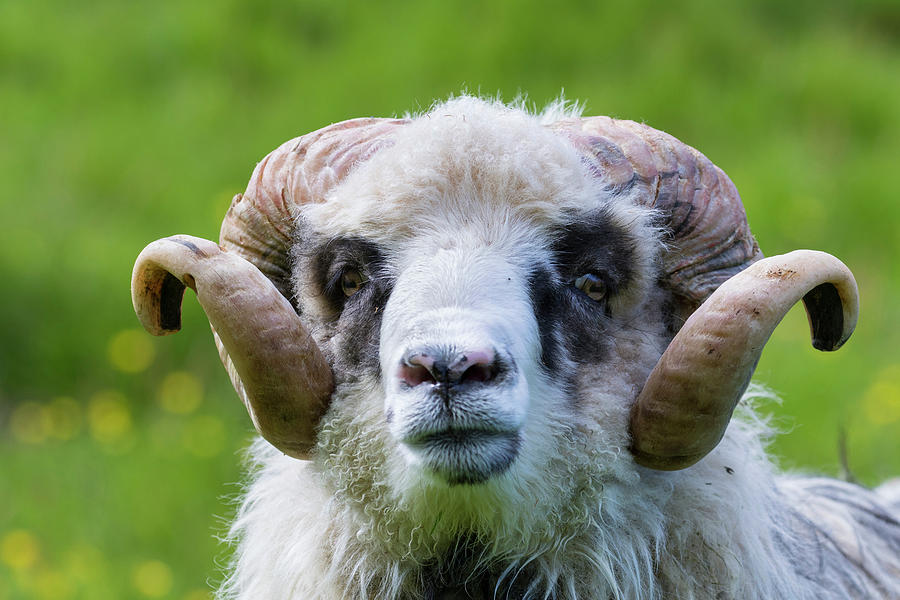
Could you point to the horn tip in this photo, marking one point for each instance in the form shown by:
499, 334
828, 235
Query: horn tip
665, 463
156, 296
829, 344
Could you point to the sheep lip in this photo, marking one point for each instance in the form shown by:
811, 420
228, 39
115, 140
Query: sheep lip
456, 435
465, 456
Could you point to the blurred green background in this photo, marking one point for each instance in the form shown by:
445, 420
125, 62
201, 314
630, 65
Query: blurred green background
123, 122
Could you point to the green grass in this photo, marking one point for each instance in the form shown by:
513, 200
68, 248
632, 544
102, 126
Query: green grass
126, 122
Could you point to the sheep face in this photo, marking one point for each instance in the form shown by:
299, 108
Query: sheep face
467, 293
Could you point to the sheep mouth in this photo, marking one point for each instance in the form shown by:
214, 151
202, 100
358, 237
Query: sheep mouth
466, 456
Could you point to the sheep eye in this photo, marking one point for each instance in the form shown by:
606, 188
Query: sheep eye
351, 281
591, 285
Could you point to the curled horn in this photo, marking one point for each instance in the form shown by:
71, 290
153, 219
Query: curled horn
687, 402
682, 411
244, 284
277, 369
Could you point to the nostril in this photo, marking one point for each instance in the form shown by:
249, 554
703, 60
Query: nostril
417, 367
478, 373
413, 375
475, 366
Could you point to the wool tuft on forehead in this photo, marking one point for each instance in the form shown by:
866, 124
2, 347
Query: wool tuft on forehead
463, 159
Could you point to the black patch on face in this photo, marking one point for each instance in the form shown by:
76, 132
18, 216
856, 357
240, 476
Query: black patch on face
550, 307
593, 243
570, 322
353, 322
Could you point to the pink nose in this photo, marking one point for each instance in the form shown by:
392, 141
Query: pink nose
435, 365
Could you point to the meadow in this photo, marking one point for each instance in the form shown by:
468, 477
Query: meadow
120, 123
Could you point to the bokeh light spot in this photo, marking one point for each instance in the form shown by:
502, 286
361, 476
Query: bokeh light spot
84, 563
204, 436
109, 417
19, 549
180, 393
881, 402
131, 350
30, 423
50, 584
65, 418
152, 578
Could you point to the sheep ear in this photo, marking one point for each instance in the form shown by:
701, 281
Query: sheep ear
274, 364
684, 407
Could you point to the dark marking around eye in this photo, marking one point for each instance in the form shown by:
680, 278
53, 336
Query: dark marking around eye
549, 305
330, 268
570, 323
593, 244
593, 260
346, 262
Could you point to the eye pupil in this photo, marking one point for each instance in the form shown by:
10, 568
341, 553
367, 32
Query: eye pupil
351, 281
591, 285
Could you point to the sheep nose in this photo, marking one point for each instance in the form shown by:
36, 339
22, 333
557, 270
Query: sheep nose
448, 367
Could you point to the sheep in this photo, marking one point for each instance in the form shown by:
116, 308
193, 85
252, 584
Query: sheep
495, 354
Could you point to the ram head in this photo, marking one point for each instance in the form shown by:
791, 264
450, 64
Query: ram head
444, 302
